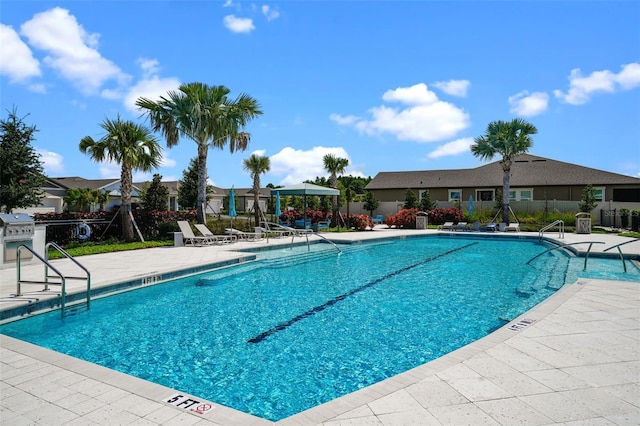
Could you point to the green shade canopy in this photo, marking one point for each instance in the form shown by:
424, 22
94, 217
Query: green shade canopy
305, 189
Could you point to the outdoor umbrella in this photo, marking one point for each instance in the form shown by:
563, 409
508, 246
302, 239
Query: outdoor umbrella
470, 205
278, 211
232, 205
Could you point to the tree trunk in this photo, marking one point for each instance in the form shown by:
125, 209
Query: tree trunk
202, 181
126, 184
505, 193
256, 199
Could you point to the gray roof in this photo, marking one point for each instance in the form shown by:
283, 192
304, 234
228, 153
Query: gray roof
527, 170
76, 182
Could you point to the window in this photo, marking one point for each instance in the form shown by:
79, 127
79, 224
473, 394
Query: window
455, 194
485, 194
524, 194
598, 193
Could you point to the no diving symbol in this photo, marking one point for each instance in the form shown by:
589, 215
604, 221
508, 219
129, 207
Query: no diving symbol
202, 408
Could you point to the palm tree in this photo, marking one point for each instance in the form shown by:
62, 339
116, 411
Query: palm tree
508, 139
133, 147
335, 166
207, 116
256, 165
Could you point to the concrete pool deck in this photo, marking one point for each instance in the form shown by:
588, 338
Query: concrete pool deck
573, 359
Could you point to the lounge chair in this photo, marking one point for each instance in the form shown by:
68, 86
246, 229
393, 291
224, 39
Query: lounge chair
446, 225
277, 230
378, 220
460, 226
515, 226
213, 238
189, 237
245, 236
489, 227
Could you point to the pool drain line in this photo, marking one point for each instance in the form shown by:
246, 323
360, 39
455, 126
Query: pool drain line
282, 326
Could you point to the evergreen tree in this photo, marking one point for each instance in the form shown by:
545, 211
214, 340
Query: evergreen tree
155, 196
370, 202
427, 203
21, 171
588, 202
410, 199
188, 187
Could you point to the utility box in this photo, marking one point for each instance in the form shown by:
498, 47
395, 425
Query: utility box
422, 220
583, 223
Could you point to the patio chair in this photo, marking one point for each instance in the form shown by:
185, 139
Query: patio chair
378, 220
213, 238
277, 230
489, 227
245, 236
460, 226
446, 225
189, 237
515, 226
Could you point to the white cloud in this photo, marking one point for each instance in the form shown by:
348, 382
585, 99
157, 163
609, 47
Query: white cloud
295, 166
37, 88
52, 162
349, 119
16, 59
150, 86
238, 25
71, 50
456, 147
259, 152
269, 13
454, 87
529, 104
425, 119
582, 87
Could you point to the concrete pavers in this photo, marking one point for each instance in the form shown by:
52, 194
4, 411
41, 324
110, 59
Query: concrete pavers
577, 363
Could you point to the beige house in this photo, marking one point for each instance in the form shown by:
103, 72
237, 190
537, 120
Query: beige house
532, 178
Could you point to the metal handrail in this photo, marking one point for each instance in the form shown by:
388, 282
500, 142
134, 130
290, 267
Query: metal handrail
63, 281
47, 265
551, 225
591, 243
71, 258
624, 265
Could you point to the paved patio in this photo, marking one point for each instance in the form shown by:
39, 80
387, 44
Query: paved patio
574, 359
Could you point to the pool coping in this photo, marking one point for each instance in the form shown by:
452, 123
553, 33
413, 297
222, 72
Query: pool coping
327, 411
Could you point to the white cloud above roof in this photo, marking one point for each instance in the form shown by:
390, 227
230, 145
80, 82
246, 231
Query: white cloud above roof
294, 166
582, 87
422, 117
52, 162
459, 146
528, 104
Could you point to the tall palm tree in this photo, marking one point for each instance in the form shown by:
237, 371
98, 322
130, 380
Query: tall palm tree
133, 147
335, 166
508, 139
207, 116
256, 165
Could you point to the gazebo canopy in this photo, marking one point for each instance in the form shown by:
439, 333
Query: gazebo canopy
305, 189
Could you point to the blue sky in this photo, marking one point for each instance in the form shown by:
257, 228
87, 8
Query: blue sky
390, 85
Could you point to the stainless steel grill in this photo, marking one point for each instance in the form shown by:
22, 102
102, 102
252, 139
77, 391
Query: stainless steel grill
17, 228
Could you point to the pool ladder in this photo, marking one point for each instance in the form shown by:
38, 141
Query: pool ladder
58, 275
559, 223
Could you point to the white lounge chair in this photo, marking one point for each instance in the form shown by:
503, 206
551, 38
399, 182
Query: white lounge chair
446, 225
244, 236
189, 237
515, 226
213, 238
460, 226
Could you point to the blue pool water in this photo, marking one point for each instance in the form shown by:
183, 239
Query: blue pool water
297, 328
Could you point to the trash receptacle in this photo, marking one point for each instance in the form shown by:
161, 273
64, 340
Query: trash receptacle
422, 220
583, 223
635, 221
315, 227
178, 239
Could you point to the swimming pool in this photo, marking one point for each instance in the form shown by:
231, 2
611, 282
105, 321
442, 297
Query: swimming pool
294, 330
